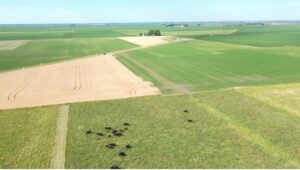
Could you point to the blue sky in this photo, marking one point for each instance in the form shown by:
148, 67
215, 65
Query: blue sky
107, 11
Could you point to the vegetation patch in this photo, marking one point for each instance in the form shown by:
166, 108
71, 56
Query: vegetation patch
27, 137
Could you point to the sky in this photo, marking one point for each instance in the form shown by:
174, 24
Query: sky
124, 11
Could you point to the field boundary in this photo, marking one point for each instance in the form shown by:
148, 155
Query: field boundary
58, 157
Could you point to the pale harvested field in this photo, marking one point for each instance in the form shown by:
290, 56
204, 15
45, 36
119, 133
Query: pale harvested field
147, 41
90, 79
11, 45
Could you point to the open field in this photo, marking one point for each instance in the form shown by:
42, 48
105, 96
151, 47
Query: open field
229, 130
27, 137
90, 79
11, 45
260, 36
203, 65
49, 51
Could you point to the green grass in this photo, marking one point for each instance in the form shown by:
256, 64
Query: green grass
260, 36
47, 51
203, 65
27, 137
230, 130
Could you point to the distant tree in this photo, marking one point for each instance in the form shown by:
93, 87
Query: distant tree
154, 33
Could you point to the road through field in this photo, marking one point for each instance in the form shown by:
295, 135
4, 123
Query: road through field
90, 79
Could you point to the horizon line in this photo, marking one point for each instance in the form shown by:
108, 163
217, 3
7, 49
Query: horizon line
153, 22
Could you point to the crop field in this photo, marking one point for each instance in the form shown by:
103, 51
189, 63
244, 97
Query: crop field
204, 65
48, 51
224, 96
27, 137
57, 32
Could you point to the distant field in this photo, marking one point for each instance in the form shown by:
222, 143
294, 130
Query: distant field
27, 137
229, 130
56, 32
47, 51
182, 32
203, 65
260, 36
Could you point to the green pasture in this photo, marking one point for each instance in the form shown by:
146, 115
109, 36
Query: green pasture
228, 130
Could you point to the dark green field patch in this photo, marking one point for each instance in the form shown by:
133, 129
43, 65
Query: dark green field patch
260, 36
47, 51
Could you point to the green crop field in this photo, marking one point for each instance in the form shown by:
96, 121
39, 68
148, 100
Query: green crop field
260, 36
229, 130
57, 32
204, 65
27, 137
47, 51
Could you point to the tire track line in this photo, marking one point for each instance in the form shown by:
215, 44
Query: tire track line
18, 90
117, 77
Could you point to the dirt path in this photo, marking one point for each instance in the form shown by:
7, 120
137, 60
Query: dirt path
58, 158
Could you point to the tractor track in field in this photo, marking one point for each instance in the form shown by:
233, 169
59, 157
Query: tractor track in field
117, 78
14, 94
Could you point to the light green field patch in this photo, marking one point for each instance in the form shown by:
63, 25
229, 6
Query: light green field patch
286, 97
27, 137
11, 45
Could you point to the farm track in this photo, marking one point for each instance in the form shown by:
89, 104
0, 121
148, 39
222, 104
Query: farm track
58, 157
